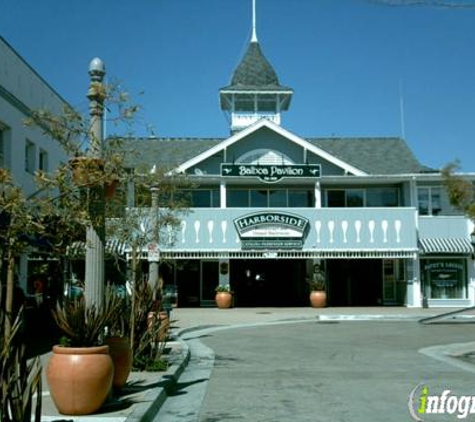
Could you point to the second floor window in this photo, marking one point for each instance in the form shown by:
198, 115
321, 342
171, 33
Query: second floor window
193, 198
2, 147
429, 200
369, 197
43, 160
268, 198
30, 157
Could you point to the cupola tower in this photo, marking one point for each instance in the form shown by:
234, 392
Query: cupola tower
255, 91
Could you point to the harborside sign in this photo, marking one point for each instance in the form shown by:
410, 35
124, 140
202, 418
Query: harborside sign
271, 173
272, 230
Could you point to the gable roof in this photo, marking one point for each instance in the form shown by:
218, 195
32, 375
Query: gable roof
363, 156
279, 130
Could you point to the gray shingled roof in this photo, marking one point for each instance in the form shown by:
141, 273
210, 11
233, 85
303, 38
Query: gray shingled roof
254, 72
371, 155
169, 152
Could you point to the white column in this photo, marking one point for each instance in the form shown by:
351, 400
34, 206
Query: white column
413, 292
223, 272
222, 194
413, 192
471, 281
318, 195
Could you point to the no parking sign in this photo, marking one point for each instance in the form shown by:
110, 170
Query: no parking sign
153, 253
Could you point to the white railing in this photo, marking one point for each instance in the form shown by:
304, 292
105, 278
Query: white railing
240, 120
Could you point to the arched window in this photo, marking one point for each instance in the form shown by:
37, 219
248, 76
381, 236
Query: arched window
264, 157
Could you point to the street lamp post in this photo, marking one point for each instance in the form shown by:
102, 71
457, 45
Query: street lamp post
95, 235
153, 275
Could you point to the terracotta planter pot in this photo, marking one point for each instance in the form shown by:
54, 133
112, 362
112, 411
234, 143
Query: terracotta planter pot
318, 298
224, 300
164, 324
110, 188
79, 378
121, 355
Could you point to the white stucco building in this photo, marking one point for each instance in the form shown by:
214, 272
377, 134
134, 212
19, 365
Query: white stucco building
270, 204
23, 150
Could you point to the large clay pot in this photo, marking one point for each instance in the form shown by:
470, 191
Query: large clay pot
110, 188
318, 298
79, 378
121, 355
224, 300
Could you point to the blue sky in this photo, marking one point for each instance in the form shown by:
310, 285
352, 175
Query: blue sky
345, 60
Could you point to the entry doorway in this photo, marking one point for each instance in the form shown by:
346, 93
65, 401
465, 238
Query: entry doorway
209, 281
357, 282
269, 282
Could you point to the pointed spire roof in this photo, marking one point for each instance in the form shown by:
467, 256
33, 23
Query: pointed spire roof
254, 72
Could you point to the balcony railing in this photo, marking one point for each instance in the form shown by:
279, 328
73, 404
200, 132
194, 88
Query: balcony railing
240, 121
329, 229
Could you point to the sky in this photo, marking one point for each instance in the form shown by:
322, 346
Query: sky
357, 68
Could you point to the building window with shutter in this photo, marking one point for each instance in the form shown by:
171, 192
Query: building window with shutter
30, 157
43, 160
2, 147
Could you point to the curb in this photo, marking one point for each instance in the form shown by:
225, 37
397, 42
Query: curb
451, 353
154, 399
369, 317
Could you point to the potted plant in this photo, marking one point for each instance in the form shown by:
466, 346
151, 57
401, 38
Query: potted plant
224, 296
317, 283
20, 378
80, 371
118, 340
149, 330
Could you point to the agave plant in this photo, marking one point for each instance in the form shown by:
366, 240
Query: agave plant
20, 379
84, 325
146, 326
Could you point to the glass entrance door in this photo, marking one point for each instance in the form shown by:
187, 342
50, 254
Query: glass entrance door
209, 282
389, 282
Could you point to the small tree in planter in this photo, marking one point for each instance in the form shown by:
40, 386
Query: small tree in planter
317, 284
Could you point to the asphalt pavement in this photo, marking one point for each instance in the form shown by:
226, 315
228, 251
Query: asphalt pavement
325, 365
245, 352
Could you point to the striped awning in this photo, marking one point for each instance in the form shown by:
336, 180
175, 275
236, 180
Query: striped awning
445, 245
112, 247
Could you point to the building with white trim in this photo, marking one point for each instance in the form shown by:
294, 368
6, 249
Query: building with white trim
270, 204
25, 149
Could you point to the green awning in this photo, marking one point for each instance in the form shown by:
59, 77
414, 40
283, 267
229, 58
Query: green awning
445, 245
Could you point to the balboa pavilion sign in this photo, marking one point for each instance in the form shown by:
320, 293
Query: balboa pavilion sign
272, 230
271, 173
